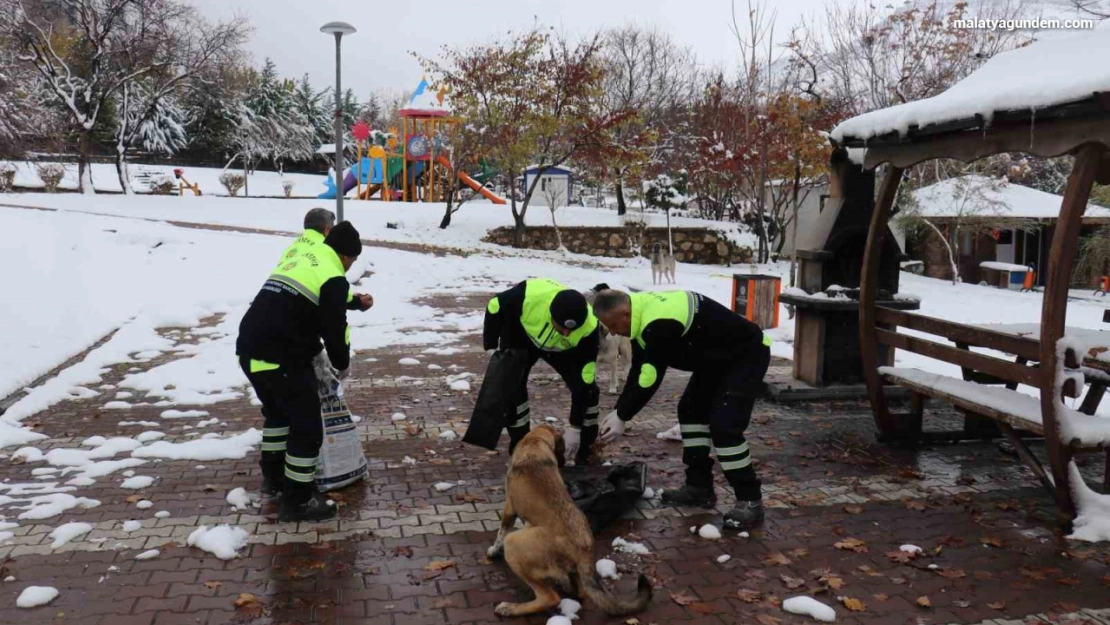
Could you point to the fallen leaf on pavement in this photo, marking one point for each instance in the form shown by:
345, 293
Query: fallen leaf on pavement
851, 544
747, 595
991, 541
248, 604
1065, 607
403, 551
683, 599
767, 619
776, 558
903, 557
924, 602
800, 552
702, 608
853, 509
439, 604
213, 584
997, 605
913, 504
793, 583
632, 621
1068, 581
881, 597
951, 573
134, 499
1033, 573
854, 605
413, 430
435, 569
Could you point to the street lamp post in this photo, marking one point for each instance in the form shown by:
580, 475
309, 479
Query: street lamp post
338, 29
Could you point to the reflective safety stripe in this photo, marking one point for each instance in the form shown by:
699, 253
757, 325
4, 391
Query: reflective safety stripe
275, 431
300, 462
347, 335
523, 408
302, 289
535, 317
522, 422
689, 428
593, 410
297, 476
736, 464
494, 306
648, 375
590, 423
696, 442
732, 451
767, 340
262, 365
589, 372
279, 446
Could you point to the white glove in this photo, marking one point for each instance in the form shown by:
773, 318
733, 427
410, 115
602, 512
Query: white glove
572, 438
342, 374
612, 427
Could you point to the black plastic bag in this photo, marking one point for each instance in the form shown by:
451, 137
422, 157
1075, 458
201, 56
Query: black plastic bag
504, 374
605, 493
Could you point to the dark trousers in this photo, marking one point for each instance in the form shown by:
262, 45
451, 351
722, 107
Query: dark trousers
583, 401
713, 414
292, 432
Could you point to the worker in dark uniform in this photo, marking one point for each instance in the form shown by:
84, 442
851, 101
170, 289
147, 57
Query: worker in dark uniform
555, 323
304, 300
728, 356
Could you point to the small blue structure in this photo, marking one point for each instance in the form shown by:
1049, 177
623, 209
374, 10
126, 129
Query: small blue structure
555, 181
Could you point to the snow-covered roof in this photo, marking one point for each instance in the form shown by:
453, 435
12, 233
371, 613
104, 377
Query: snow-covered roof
937, 200
426, 100
1049, 72
550, 169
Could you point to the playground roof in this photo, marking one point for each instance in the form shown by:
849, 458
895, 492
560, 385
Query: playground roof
549, 170
426, 102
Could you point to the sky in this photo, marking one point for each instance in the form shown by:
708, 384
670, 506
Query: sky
378, 55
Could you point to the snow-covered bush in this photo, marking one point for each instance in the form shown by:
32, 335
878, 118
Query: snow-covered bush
7, 177
162, 184
51, 175
287, 186
232, 182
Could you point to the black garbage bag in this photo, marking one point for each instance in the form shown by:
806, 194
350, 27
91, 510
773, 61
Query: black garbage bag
605, 493
504, 374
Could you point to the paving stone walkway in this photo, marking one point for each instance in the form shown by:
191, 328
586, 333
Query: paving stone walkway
841, 506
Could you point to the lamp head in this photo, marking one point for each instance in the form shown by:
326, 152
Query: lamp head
337, 28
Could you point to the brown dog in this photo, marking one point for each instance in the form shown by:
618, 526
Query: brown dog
556, 547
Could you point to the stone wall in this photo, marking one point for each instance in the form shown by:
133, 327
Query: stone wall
702, 246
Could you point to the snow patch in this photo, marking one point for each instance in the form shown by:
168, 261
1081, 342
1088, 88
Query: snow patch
808, 606
721, 559
67, 532
46, 506
233, 448
222, 541
239, 499
183, 414
146, 437
448, 435
442, 486
408, 362
623, 546
137, 482
607, 569
34, 596
148, 554
131, 526
709, 532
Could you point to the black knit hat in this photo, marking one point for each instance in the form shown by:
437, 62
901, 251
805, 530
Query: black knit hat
343, 238
568, 309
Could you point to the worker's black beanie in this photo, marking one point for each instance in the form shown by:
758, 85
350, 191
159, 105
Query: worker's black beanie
568, 309
343, 238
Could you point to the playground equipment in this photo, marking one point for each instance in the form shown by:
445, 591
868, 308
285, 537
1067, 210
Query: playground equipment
183, 184
417, 173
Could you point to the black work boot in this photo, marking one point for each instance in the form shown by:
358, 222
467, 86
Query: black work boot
745, 515
315, 508
688, 496
271, 487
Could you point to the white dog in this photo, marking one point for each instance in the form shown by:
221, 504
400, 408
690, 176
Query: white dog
613, 350
662, 265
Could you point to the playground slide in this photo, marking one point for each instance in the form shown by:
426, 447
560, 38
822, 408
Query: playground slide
369, 191
472, 183
348, 184
477, 186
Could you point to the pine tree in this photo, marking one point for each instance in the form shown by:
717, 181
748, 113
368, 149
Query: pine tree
311, 105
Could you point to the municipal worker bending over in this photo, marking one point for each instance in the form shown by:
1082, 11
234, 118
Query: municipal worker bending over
304, 300
728, 356
555, 323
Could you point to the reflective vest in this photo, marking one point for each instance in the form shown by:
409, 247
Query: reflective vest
308, 241
680, 306
536, 317
308, 272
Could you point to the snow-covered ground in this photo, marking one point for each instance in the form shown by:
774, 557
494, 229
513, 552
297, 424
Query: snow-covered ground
416, 222
105, 179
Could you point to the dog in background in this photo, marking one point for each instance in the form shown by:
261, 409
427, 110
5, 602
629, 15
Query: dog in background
662, 265
613, 349
555, 547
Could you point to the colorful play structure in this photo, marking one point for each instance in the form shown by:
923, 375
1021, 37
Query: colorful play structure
183, 183
419, 173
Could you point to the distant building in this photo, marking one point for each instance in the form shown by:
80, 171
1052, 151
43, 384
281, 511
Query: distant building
555, 181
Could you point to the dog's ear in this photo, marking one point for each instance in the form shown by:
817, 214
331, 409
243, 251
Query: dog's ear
560, 450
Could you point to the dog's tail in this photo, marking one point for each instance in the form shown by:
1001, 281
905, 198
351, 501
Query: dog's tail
606, 601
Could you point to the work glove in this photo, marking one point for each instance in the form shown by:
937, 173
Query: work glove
572, 437
612, 427
343, 374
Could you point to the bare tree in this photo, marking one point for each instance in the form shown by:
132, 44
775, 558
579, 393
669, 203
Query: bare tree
86, 51
1098, 9
556, 197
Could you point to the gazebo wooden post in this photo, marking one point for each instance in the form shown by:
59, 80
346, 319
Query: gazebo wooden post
868, 292
1054, 310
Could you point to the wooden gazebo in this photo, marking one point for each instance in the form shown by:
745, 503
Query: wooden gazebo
1049, 99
